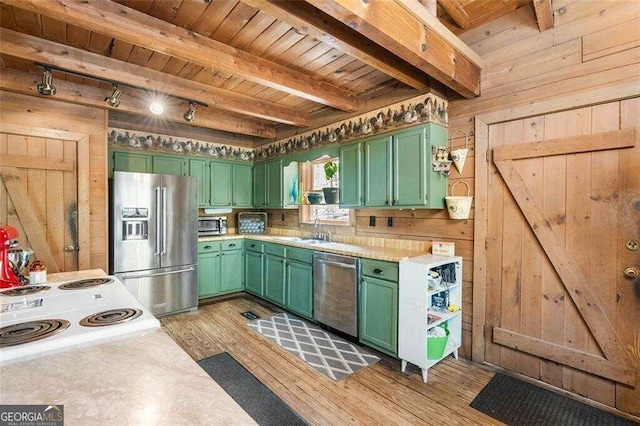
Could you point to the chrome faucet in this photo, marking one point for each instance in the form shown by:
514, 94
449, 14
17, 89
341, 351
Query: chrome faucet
317, 229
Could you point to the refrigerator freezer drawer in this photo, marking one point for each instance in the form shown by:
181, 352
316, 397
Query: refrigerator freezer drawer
164, 291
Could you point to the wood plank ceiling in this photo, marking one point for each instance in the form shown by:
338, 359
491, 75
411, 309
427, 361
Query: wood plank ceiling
262, 67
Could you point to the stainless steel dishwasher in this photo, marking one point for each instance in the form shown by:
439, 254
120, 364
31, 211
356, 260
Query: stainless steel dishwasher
335, 291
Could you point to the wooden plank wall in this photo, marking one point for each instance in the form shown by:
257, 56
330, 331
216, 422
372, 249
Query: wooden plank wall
49, 113
592, 53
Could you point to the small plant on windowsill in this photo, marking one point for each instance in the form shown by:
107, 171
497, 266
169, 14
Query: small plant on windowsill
331, 193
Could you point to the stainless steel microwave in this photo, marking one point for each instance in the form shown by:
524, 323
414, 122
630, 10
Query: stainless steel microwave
209, 225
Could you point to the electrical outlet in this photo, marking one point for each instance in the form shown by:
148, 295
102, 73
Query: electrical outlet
389, 221
372, 221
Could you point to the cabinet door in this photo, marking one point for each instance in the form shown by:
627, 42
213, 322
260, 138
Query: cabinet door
351, 175
220, 184
274, 184
131, 162
274, 278
300, 288
242, 184
254, 272
208, 274
260, 185
379, 314
410, 168
231, 271
200, 169
169, 165
377, 172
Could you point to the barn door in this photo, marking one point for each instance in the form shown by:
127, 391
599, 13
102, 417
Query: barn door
44, 193
563, 219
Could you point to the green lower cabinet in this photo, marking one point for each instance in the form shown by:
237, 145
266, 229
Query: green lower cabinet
254, 273
379, 314
274, 276
300, 288
231, 267
208, 274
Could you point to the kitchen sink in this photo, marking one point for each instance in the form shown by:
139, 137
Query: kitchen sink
302, 240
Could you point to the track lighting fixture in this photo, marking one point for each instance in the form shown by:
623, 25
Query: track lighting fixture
156, 107
114, 100
46, 87
190, 115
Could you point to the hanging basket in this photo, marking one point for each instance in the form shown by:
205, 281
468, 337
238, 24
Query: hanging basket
459, 155
459, 207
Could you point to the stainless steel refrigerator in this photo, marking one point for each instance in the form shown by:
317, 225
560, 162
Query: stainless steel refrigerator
154, 239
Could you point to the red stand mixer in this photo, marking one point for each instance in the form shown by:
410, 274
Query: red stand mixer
13, 259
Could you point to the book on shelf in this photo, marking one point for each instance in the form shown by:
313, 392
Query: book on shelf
440, 300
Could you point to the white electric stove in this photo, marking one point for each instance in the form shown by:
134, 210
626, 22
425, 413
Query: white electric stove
36, 319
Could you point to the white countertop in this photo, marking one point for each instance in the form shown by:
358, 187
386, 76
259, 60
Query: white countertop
145, 378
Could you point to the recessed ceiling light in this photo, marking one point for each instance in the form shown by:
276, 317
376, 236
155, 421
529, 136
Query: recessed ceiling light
156, 108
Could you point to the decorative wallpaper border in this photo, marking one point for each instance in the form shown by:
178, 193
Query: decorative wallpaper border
153, 142
428, 108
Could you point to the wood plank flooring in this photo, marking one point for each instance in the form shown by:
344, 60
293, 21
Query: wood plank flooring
379, 394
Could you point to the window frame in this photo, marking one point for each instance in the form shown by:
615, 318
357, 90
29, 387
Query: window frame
305, 171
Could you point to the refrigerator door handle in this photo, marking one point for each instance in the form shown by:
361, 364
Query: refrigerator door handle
157, 248
132, 277
164, 220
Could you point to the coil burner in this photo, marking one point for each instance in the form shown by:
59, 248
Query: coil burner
110, 317
31, 331
25, 290
78, 285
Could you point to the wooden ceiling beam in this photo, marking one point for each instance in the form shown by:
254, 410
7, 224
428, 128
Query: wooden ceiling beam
26, 83
70, 58
309, 20
403, 33
129, 25
544, 14
457, 12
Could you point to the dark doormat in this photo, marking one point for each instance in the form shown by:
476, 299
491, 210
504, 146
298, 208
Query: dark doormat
265, 407
515, 402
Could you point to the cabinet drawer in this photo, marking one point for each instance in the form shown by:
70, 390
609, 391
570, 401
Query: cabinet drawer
301, 255
275, 249
232, 245
380, 269
254, 245
208, 246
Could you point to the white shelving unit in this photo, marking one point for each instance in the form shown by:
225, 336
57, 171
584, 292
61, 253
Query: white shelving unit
416, 291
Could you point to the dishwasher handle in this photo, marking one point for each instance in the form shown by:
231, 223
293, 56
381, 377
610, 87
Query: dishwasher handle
341, 264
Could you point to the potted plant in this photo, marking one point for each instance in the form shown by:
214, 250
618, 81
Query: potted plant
331, 193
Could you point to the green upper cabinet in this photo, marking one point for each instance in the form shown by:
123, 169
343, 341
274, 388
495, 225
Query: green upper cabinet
377, 172
351, 175
274, 184
398, 172
200, 168
267, 185
169, 165
220, 184
260, 185
132, 162
242, 185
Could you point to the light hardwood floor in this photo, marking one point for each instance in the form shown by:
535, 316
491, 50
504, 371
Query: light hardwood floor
379, 394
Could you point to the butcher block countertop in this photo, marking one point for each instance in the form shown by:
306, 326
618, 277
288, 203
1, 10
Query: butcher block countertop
369, 252
141, 379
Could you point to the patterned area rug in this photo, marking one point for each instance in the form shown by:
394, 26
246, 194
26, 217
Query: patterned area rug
330, 355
